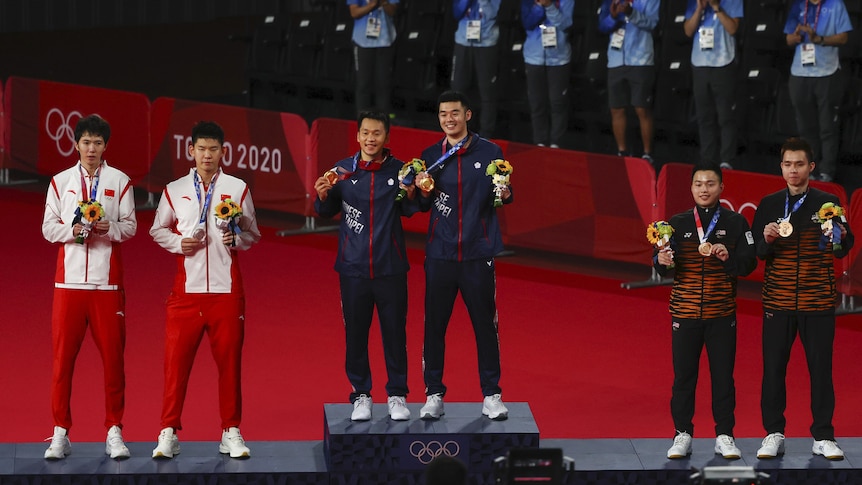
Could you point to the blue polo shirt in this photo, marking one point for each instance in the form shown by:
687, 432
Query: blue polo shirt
724, 49
483, 10
387, 26
832, 19
637, 49
535, 19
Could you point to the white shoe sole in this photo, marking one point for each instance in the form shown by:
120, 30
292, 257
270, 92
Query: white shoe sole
226, 451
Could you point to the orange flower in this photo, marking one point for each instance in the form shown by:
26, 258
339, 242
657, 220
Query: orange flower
92, 211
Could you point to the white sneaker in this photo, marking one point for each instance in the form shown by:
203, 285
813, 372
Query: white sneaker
829, 449
494, 408
771, 446
114, 445
398, 408
169, 444
433, 407
361, 408
726, 447
681, 446
60, 445
232, 442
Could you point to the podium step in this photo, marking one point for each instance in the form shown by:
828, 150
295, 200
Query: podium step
385, 446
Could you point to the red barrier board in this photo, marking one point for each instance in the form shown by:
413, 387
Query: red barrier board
851, 282
41, 117
267, 149
580, 203
3, 141
742, 193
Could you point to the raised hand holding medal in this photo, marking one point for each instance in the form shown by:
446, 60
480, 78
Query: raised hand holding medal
705, 247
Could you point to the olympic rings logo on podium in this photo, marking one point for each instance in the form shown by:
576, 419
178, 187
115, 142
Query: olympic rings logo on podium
425, 452
63, 132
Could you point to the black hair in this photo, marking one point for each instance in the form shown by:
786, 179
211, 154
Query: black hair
445, 470
706, 165
796, 144
454, 96
207, 130
93, 125
373, 115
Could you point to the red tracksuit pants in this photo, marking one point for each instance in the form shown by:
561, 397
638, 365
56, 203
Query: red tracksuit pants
189, 316
103, 311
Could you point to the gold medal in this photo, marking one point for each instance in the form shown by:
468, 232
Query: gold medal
705, 249
330, 176
785, 228
426, 184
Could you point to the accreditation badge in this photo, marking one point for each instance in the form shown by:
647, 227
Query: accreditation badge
474, 30
549, 36
808, 58
706, 38
372, 27
617, 38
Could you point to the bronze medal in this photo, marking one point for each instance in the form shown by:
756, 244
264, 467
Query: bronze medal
331, 177
785, 228
705, 249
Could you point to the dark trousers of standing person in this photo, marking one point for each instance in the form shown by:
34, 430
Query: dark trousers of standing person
476, 281
817, 103
548, 93
373, 76
715, 102
688, 340
359, 296
817, 334
481, 62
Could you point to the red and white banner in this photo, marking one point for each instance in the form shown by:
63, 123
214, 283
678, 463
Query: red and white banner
266, 149
41, 118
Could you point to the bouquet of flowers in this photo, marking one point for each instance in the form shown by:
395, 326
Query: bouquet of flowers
227, 214
658, 233
88, 213
499, 170
407, 175
827, 212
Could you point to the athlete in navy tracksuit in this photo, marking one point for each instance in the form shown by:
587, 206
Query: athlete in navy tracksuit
372, 261
463, 238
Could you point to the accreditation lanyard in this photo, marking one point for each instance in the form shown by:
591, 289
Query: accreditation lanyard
448, 153
208, 197
700, 234
796, 206
94, 189
816, 16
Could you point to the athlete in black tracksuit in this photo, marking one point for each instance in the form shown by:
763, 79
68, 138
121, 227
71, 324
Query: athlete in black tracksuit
372, 264
703, 311
463, 238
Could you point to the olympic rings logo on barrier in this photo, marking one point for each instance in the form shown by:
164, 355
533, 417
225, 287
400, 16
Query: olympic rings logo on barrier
425, 452
63, 132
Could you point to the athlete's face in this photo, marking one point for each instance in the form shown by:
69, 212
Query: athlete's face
207, 153
453, 119
91, 148
372, 138
706, 188
796, 168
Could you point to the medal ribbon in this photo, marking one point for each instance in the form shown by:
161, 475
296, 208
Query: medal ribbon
94, 190
209, 194
795, 206
704, 236
449, 153
816, 17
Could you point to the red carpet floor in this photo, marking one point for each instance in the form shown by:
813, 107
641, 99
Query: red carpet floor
592, 359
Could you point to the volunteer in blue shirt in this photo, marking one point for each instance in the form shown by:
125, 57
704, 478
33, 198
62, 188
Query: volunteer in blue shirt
631, 66
815, 29
547, 59
476, 54
373, 52
712, 25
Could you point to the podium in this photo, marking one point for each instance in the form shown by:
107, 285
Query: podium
382, 450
